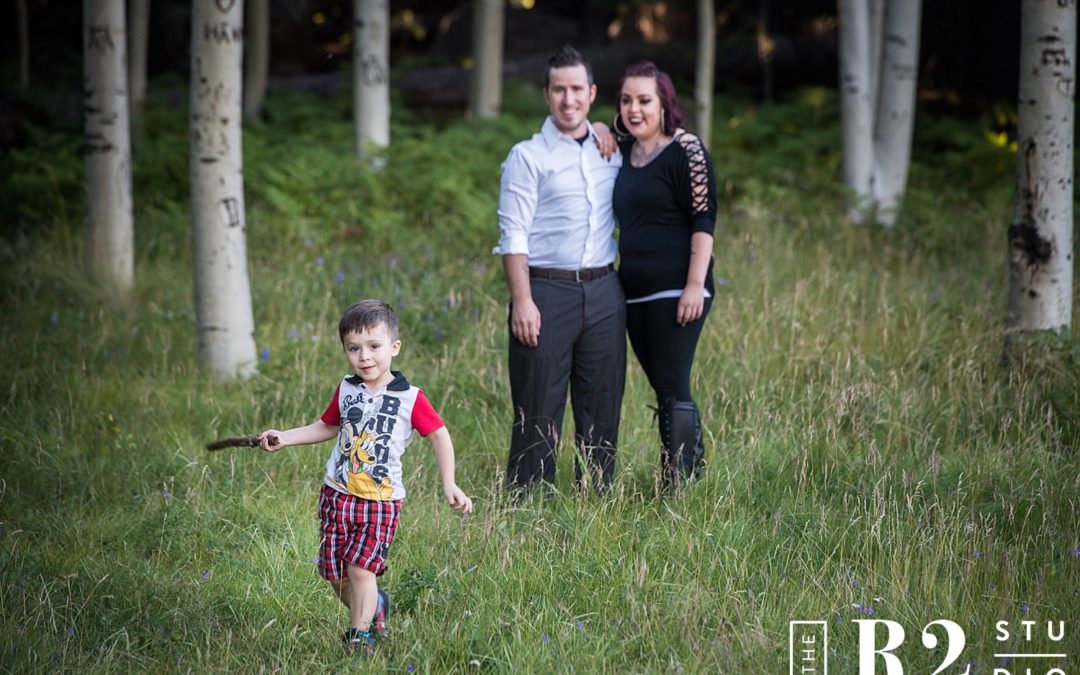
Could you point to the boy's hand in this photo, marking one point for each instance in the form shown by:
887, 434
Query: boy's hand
270, 440
457, 499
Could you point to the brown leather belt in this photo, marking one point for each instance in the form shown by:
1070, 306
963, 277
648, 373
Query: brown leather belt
571, 275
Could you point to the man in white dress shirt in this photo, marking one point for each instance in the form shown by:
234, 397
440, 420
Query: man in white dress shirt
567, 310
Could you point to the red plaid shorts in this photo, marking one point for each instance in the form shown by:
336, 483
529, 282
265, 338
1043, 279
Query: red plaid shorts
354, 531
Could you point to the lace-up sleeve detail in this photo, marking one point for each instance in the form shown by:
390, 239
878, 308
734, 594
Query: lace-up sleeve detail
702, 186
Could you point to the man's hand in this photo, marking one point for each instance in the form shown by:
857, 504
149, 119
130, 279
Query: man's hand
605, 140
525, 322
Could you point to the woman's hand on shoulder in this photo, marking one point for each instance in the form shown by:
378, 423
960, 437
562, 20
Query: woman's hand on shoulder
605, 140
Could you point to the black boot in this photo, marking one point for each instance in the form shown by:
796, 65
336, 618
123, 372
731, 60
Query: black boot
683, 453
669, 474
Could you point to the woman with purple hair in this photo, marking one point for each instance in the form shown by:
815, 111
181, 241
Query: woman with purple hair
665, 203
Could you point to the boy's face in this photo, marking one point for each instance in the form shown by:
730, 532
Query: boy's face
370, 353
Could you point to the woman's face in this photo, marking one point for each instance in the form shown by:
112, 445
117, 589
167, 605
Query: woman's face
640, 108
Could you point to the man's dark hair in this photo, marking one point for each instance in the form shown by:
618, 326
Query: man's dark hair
366, 315
566, 57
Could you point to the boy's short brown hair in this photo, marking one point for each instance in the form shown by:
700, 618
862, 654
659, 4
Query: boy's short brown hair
366, 315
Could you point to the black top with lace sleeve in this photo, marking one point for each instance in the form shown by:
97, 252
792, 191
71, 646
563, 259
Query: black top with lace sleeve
659, 206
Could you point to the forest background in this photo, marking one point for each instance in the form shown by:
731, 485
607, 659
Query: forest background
871, 455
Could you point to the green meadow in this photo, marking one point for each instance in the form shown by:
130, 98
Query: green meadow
870, 455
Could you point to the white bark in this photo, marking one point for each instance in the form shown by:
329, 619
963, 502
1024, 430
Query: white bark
706, 69
107, 142
856, 104
489, 25
895, 107
1041, 237
23, 19
371, 79
138, 34
257, 58
877, 11
222, 291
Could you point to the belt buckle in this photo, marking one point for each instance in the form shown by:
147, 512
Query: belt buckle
577, 275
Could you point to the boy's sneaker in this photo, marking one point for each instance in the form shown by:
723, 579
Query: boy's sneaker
382, 613
356, 641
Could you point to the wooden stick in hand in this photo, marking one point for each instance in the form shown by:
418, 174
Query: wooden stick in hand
239, 442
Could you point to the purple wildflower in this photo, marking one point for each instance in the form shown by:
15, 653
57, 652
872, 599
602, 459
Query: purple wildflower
978, 555
264, 354
839, 619
1024, 608
308, 243
206, 576
293, 335
1076, 552
54, 319
71, 631
410, 668
340, 277
319, 261
580, 626
438, 333
545, 639
722, 281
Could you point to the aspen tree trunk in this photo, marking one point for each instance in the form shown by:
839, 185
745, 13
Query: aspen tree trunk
23, 19
257, 57
1041, 237
856, 105
371, 79
489, 21
706, 69
895, 106
877, 11
107, 145
222, 292
138, 34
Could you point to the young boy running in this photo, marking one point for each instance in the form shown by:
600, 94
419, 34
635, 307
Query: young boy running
373, 414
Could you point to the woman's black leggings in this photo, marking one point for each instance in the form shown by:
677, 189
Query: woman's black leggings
664, 348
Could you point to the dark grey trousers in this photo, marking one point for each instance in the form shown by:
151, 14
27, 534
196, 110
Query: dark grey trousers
583, 344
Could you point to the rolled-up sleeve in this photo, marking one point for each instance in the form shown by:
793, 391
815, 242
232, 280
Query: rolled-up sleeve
518, 191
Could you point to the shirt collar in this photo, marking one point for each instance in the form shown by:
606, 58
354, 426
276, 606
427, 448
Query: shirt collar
551, 133
399, 383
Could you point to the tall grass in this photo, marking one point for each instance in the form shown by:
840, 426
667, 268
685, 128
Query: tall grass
869, 454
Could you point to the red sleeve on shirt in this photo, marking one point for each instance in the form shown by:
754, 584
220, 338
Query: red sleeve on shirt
424, 418
332, 416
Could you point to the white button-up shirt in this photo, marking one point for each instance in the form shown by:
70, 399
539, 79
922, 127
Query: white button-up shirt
555, 202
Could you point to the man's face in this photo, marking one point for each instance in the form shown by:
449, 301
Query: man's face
569, 97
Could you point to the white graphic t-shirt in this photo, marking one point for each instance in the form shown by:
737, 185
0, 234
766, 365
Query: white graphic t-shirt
374, 430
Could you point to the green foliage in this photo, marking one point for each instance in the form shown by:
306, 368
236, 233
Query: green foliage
868, 451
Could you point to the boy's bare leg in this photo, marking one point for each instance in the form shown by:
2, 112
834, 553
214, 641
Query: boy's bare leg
363, 596
341, 588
